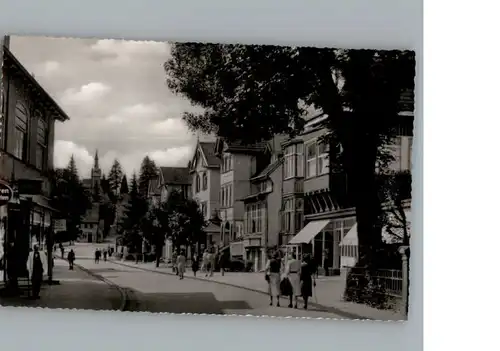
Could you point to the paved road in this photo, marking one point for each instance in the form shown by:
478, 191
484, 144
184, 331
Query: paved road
154, 292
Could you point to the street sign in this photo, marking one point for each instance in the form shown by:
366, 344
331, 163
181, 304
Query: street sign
59, 225
6, 193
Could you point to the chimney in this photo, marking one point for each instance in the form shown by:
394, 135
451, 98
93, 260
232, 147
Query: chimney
6, 41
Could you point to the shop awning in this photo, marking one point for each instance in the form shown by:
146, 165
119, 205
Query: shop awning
351, 237
309, 232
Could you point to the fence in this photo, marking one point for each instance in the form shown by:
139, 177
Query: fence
384, 288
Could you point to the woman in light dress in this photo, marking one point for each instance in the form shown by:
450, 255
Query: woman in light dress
273, 276
292, 272
181, 264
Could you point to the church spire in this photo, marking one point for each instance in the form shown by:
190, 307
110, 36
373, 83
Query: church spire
96, 159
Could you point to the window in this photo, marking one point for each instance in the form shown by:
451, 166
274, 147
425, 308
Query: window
288, 213
299, 215
227, 163
294, 161
323, 158
21, 131
255, 218
205, 181
226, 195
396, 153
410, 152
300, 160
290, 162
311, 160
41, 143
204, 209
198, 181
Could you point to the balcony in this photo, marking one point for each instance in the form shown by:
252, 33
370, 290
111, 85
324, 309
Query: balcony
298, 186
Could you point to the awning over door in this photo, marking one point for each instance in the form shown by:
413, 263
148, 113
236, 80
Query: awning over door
309, 232
351, 237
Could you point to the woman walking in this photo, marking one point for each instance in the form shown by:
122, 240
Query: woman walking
307, 280
293, 274
181, 264
273, 269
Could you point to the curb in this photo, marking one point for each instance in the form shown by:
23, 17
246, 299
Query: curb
124, 295
334, 310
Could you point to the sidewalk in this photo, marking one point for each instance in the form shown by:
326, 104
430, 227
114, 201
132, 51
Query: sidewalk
328, 291
77, 290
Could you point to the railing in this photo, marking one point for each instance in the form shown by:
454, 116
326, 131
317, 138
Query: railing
382, 288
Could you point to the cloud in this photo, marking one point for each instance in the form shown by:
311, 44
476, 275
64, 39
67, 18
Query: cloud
122, 53
47, 68
140, 112
63, 149
86, 93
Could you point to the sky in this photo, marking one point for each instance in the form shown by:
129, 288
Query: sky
115, 95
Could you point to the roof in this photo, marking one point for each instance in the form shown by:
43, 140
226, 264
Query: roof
268, 170
208, 149
175, 176
9, 58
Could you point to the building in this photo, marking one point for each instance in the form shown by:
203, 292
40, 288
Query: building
27, 121
318, 212
239, 163
262, 222
204, 169
93, 183
91, 227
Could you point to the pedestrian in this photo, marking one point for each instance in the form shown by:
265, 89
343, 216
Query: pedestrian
293, 274
195, 264
105, 255
307, 280
97, 255
211, 260
71, 259
273, 275
181, 264
222, 263
205, 262
35, 269
61, 247
174, 262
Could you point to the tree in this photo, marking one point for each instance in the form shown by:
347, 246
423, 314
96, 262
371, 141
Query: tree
135, 210
115, 177
69, 197
148, 172
396, 192
250, 93
124, 185
182, 220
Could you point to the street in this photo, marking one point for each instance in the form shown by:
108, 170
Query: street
77, 289
156, 292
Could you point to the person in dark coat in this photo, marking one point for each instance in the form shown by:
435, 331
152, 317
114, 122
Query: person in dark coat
71, 259
195, 265
97, 255
105, 255
37, 273
307, 278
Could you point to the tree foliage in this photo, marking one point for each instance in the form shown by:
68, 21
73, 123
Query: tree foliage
250, 93
115, 177
135, 210
181, 220
148, 172
124, 185
69, 197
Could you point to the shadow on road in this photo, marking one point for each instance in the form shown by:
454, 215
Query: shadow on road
201, 302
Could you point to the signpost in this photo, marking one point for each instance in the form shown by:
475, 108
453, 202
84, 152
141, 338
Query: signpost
6, 193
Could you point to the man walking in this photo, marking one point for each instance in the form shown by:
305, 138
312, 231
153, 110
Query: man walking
71, 259
97, 255
35, 267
